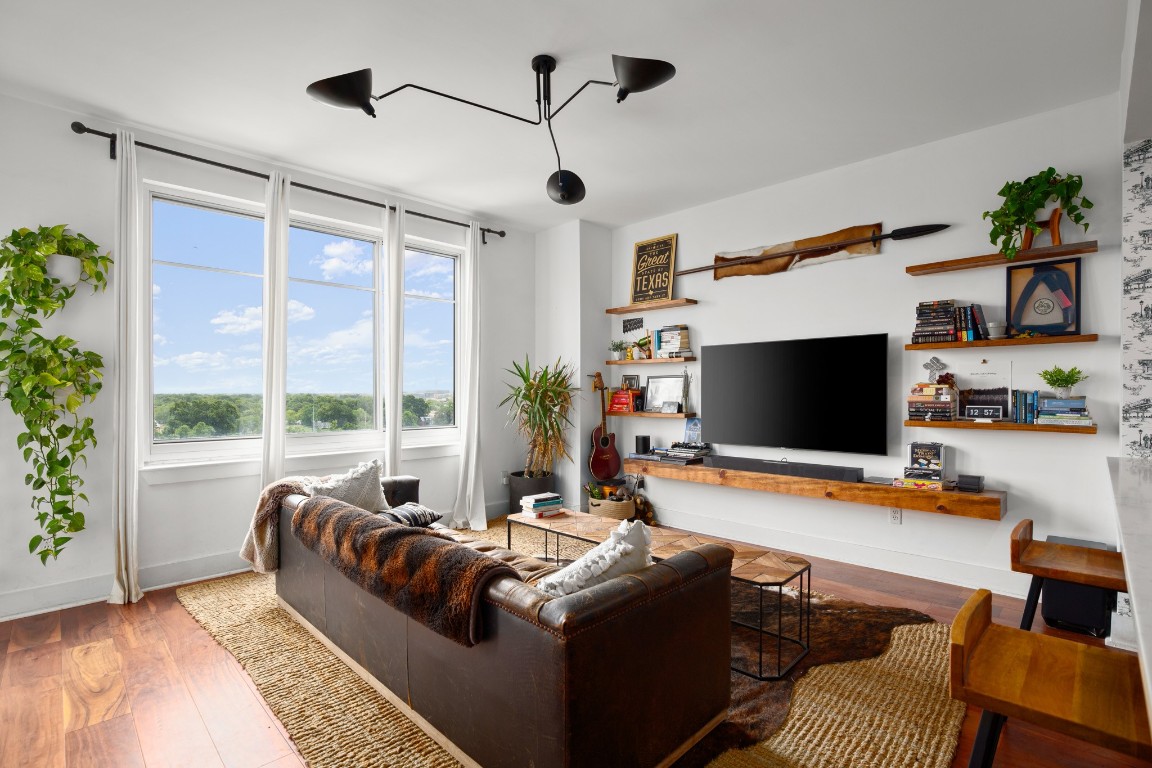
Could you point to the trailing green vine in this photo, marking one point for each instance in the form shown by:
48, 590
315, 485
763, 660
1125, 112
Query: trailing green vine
47, 380
1023, 198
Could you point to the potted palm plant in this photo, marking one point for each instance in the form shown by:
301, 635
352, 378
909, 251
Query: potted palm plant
538, 401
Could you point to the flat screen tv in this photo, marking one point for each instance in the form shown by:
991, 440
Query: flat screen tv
827, 394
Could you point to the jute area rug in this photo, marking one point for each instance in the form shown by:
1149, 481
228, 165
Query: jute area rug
887, 706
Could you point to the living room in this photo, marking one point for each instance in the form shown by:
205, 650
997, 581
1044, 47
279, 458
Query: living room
797, 153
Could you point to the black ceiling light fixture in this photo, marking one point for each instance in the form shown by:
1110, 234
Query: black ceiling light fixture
353, 90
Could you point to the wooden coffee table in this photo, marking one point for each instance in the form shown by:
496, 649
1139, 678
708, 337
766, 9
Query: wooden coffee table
769, 574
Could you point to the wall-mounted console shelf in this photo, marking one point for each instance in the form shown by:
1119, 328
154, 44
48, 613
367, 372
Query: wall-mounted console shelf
1004, 425
998, 260
1079, 339
650, 361
989, 505
634, 309
648, 415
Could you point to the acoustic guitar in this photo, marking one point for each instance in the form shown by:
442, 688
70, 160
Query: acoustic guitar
604, 460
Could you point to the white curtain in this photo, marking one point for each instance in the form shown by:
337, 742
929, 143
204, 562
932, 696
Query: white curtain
127, 374
469, 509
394, 339
275, 325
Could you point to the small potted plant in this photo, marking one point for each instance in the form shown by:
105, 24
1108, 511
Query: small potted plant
1023, 198
1062, 380
618, 346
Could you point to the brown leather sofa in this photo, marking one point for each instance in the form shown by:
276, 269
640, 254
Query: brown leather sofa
631, 672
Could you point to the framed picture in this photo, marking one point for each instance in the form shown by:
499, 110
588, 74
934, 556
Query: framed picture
1044, 298
629, 382
653, 265
661, 390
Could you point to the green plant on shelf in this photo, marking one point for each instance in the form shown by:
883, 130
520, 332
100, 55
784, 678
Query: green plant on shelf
1023, 198
1058, 378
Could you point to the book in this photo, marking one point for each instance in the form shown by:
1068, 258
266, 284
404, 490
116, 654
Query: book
920, 485
917, 473
938, 303
1055, 402
926, 455
533, 497
981, 320
1065, 422
548, 512
670, 459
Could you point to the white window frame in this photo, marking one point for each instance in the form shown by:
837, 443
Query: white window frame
226, 449
433, 436
424, 443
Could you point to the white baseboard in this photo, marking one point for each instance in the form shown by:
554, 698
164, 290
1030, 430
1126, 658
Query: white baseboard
184, 571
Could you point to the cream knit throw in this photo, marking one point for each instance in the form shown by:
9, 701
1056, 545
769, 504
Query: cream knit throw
261, 545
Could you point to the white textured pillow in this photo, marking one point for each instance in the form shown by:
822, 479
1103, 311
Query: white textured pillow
359, 487
626, 550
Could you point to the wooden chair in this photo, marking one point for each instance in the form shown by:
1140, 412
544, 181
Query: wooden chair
1062, 562
1090, 693
1046, 560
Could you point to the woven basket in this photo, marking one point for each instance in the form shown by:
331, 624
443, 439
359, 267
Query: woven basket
617, 510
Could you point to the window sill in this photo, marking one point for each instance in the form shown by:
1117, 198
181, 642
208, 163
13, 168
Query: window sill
166, 473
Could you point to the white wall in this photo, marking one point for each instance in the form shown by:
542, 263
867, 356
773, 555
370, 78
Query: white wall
1060, 481
192, 519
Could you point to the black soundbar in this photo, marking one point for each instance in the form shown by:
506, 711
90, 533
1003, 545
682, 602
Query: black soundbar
794, 468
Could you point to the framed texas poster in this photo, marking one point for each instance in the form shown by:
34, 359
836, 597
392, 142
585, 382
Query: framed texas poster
653, 264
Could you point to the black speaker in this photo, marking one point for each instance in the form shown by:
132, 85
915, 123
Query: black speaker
1078, 607
970, 483
643, 444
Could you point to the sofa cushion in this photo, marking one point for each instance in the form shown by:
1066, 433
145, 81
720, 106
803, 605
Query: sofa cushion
359, 486
411, 513
626, 550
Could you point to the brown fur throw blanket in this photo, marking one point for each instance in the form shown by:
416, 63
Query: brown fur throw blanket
430, 578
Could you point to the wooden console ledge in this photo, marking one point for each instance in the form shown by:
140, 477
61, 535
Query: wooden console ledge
989, 505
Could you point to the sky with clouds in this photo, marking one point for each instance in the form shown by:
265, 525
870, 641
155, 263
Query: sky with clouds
207, 324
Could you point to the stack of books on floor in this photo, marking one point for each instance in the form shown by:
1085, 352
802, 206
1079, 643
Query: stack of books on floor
943, 320
683, 453
542, 504
1066, 412
925, 469
933, 402
672, 341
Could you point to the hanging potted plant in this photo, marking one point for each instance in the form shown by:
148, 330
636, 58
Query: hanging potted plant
1023, 198
539, 401
46, 380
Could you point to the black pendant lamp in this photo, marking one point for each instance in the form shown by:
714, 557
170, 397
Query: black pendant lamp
349, 91
637, 75
353, 90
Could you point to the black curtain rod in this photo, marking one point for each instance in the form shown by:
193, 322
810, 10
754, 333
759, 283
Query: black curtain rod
80, 128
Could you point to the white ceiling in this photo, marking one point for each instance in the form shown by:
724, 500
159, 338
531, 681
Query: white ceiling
765, 91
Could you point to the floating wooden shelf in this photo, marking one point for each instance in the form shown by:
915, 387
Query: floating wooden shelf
633, 309
648, 361
1080, 339
989, 505
648, 415
1010, 426
998, 260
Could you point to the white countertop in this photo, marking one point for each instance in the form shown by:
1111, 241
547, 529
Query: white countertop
1132, 489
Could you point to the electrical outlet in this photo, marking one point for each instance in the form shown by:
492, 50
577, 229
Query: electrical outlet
895, 516
504, 477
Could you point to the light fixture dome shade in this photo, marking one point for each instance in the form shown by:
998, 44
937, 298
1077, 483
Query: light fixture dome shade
565, 187
637, 75
352, 90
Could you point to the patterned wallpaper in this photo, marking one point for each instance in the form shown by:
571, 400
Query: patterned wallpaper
1136, 303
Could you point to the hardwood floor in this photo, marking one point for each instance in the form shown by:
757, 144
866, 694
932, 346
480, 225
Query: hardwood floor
139, 686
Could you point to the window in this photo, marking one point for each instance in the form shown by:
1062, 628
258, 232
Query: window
331, 332
207, 287
429, 339
207, 284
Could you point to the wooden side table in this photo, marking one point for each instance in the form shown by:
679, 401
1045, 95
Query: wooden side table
780, 584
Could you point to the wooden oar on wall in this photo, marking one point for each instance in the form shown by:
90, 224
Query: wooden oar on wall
903, 233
